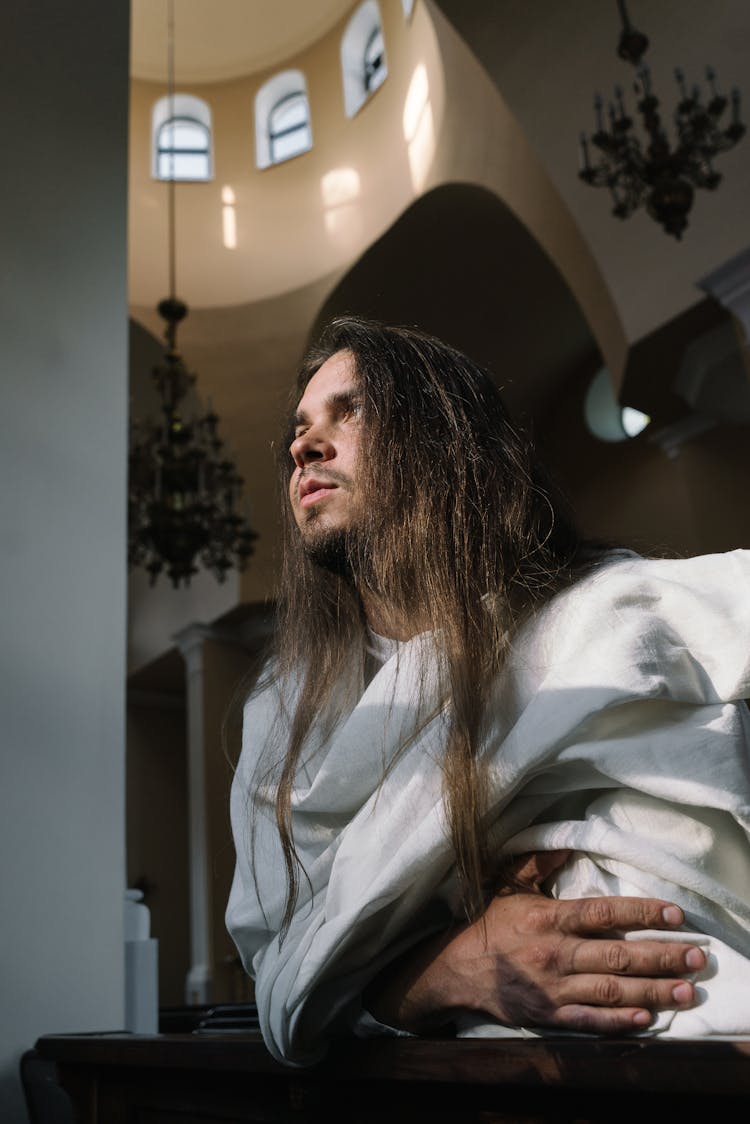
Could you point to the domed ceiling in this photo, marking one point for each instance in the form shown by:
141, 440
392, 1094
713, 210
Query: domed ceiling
224, 39
547, 59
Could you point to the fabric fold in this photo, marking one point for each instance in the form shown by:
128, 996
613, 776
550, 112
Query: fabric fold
617, 730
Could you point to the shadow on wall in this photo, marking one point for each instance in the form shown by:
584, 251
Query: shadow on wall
459, 264
687, 495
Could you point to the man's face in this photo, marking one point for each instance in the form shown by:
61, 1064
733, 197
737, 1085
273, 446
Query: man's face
325, 450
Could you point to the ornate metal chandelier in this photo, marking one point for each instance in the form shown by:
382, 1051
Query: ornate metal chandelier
660, 176
183, 489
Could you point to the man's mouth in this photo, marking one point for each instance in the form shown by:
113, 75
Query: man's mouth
312, 491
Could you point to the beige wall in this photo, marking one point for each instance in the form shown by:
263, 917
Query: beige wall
291, 232
288, 238
252, 308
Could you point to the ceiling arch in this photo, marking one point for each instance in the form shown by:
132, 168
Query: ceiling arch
460, 264
227, 38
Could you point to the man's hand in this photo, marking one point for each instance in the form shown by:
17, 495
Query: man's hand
532, 961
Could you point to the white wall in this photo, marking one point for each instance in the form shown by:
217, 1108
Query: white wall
63, 374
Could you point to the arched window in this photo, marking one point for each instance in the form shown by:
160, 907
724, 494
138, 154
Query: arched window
181, 139
282, 119
605, 417
363, 62
375, 69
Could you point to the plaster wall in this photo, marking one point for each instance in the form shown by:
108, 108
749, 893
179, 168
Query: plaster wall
633, 493
63, 427
297, 221
252, 307
548, 59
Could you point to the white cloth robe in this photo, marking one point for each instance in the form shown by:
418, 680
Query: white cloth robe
617, 730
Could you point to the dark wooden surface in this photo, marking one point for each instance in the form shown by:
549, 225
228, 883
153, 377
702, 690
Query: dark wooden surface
187, 1078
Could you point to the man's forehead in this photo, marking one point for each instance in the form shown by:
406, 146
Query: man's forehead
334, 378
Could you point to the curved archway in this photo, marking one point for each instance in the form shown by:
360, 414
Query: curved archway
460, 264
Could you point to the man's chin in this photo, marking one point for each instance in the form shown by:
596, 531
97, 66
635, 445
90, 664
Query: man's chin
330, 548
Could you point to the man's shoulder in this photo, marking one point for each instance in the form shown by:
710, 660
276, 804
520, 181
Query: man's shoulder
624, 572
625, 594
273, 685
631, 601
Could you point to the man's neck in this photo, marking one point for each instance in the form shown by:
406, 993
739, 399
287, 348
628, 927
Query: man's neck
385, 621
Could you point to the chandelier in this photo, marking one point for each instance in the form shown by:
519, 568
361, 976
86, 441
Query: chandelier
183, 489
659, 175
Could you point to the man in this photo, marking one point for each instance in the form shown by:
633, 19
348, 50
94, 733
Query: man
484, 754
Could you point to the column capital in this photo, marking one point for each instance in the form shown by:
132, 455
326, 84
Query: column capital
190, 641
730, 286
192, 634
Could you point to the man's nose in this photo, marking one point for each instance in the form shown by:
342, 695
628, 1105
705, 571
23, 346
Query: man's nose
312, 445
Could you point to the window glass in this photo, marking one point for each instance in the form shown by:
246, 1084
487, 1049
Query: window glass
181, 138
291, 144
288, 128
290, 113
375, 70
183, 150
363, 59
605, 417
282, 119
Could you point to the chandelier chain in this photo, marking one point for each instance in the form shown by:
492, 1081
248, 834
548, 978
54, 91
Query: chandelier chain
183, 487
171, 181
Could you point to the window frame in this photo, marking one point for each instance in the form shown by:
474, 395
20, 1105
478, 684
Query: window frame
360, 81
274, 136
370, 71
170, 123
173, 109
280, 88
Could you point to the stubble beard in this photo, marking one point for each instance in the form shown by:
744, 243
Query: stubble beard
331, 549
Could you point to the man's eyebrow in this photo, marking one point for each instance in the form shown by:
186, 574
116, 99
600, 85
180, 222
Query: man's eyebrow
341, 400
344, 399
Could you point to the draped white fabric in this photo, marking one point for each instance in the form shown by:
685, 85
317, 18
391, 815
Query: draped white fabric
617, 731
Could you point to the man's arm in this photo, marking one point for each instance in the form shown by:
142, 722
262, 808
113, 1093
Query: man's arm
532, 961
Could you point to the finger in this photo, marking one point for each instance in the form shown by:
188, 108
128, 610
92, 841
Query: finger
607, 915
634, 958
601, 1020
621, 991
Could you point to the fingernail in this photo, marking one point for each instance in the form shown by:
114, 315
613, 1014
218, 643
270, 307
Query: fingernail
642, 1018
672, 915
683, 993
694, 958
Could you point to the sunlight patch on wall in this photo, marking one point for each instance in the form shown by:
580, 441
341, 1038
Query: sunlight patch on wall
419, 127
228, 218
340, 189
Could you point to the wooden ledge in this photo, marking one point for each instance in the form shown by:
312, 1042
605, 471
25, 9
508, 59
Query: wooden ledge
457, 1081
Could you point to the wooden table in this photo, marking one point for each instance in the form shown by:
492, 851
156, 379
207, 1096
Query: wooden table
189, 1078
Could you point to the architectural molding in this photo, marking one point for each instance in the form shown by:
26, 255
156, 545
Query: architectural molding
730, 285
198, 983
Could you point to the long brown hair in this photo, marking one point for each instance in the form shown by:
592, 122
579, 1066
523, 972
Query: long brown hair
460, 528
